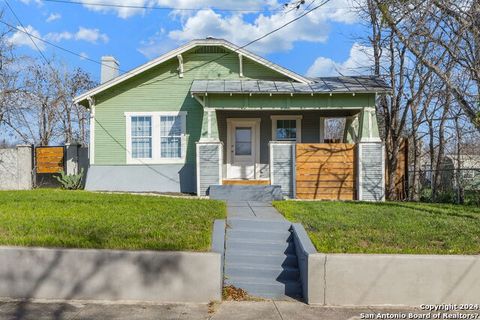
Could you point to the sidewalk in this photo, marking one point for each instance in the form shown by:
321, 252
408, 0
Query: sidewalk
278, 310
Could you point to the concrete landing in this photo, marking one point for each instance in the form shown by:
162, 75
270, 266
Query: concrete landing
252, 210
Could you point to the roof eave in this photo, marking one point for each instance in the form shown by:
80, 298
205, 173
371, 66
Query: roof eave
184, 48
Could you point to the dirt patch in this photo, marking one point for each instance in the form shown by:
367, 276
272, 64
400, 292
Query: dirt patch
232, 293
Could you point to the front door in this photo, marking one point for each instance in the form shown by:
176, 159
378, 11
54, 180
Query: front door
243, 148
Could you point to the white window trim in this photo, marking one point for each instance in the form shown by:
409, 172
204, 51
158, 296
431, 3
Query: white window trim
298, 118
156, 159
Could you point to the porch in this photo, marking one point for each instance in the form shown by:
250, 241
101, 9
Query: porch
312, 146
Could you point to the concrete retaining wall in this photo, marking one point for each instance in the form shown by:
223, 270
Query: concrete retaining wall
16, 168
109, 275
384, 279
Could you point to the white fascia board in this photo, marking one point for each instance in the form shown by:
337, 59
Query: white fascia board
182, 49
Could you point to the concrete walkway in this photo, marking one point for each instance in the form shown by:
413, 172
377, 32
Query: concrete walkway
268, 310
252, 210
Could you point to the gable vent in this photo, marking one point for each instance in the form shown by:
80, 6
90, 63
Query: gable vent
210, 49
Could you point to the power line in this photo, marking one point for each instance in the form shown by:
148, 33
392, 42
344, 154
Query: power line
112, 5
29, 35
23, 30
248, 44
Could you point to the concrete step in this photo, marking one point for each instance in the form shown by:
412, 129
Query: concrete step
246, 193
269, 290
259, 246
282, 235
267, 260
260, 272
258, 224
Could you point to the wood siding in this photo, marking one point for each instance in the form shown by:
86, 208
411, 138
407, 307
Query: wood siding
282, 170
161, 89
371, 166
325, 171
209, 156
49, 159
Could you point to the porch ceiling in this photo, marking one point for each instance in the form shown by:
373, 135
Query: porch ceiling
320, 86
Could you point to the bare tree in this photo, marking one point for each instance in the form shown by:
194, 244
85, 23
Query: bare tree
452, 31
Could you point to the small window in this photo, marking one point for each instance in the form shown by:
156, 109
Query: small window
332, 130
286, 128
170, 137
142, 137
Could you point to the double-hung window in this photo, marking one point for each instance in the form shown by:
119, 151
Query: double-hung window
170, 137
141, 132
155, 137
287, 128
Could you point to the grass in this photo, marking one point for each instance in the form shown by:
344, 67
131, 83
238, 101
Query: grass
391, 227
80, 219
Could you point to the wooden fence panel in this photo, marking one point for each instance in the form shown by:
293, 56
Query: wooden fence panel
49, 159
325, 171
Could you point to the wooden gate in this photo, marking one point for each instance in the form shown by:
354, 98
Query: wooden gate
49, 159
325, 171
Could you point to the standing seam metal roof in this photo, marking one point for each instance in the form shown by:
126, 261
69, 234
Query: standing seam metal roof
355, 84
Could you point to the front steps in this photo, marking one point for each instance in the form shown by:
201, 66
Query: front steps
245, 193
260, 258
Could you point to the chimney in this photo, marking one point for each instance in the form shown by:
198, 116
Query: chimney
109, 69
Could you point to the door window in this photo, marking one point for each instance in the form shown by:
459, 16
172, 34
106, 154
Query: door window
243, 141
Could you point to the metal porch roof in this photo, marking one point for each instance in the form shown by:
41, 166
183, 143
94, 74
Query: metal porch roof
357, 84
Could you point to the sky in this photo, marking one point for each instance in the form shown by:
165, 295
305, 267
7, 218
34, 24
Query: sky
326, 42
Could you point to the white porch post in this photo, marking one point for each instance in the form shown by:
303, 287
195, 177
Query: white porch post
370, 158
209, 153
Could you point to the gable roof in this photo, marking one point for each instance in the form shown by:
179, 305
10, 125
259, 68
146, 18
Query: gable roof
190, 45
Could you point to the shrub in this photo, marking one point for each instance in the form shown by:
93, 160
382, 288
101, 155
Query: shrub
70, 181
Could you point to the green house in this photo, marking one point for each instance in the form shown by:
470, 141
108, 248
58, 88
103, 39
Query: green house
212, 113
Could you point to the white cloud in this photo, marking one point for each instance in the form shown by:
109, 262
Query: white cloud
38, 2
91, 35
126, 12
83, 34
58, 36
360, 61
83, 56
241, 29
20, 38
53, 17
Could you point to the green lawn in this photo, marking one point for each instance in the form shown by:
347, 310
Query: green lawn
80, 219
392, 227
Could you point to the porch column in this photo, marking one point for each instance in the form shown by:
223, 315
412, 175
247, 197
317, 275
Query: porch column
368, 131
350, 134
209, 165
209, 125
370, 159
209, 152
